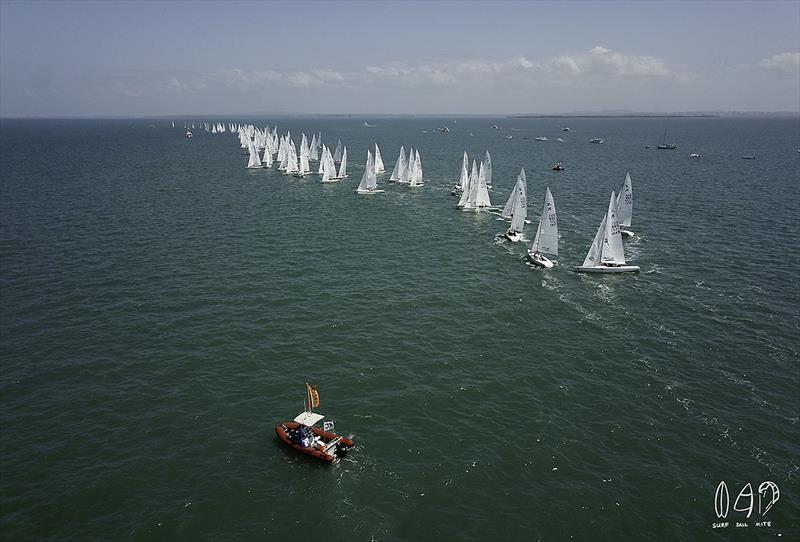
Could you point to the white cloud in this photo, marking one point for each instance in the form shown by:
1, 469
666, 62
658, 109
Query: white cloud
783, 62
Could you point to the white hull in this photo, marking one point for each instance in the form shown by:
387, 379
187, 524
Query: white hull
540, 260
376, 191
626, 233
330, 181
513, 236
606, 269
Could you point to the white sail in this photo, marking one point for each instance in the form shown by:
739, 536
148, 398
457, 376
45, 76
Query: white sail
612, 240
255, 161
593, 256
369, 181
337, 154
395, 176
482, 193
405, 174
463, 181
322, 160
304, 168
625, 202
469, 197
415, 179
546, 240
488, 167
379, 168
267, 161
343, 167
520, 211
508, 208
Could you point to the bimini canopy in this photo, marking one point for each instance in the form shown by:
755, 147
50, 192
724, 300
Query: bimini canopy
308, 418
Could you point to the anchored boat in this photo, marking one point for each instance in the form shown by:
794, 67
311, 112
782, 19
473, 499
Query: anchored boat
302, 435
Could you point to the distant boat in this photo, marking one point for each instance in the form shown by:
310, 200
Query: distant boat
546, 241
565, 129
748, 157
559, 139
695, 155
368, 125
509, 137
597, 140
188, 134
369, 182
541, 138
625, 207
663, 145
496, 127
444, 130
558, 167
606, 254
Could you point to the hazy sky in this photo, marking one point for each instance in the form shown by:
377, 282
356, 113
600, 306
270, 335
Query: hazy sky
170, 58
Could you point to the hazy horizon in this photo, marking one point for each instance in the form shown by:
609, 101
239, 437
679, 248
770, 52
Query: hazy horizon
121, 59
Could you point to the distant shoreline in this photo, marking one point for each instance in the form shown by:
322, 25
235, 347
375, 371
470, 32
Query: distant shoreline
611, 116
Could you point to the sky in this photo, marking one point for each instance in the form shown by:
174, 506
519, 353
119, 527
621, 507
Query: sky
152, 58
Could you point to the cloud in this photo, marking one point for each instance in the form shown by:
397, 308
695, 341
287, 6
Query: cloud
592, 66
783, 62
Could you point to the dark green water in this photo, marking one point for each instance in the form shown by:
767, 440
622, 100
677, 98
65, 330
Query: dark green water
162, 307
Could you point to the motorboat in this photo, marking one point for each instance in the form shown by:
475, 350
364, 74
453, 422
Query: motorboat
597, 140
558, 167
303, 435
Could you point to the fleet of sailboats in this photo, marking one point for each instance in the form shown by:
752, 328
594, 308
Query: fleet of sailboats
265, 146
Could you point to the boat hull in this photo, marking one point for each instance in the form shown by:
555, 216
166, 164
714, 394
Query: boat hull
377, 191
282, 430
539, 260
626, 233
606, 269
513, 236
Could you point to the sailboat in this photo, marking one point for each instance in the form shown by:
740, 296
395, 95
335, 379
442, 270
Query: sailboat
606, 254
379, 167
546, 241
508, 208
343, 166
463, 180
625, 207
519, 212
255, 161
415, 177
399, 170
337, 154
369, 182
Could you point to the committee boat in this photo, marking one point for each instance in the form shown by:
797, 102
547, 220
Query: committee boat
303, 435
